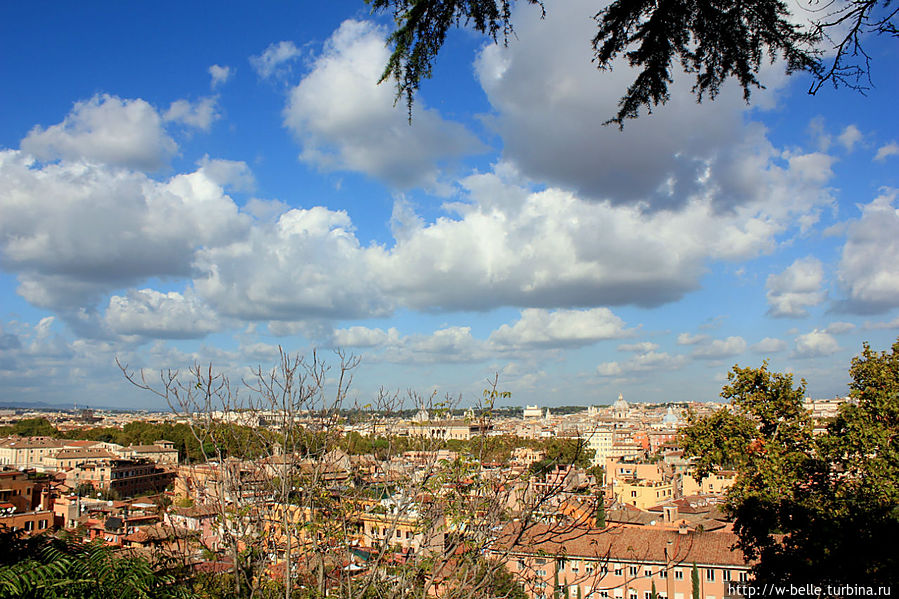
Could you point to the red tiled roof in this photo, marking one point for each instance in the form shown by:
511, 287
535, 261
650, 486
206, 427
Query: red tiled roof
624, 543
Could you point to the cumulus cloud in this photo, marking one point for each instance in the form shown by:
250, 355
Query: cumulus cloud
512, 246
229, 174
643, 362
150, 313
797, 288
849, 137
868, 270
308, 264
887, 150
200, 114
74, 231
720, 348
769, 345
274, 58
815, 344
344, 120
550, 104
359, 336
839, 328
106, 129
875, 326
689, 339
642, 347
560, 328
220, 75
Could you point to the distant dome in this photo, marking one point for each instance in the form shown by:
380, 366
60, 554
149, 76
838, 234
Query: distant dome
620, 404
670, 417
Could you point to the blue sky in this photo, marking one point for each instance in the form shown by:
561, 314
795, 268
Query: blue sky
189, 182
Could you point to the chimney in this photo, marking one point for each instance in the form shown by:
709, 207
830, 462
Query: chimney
669, 514
45, 499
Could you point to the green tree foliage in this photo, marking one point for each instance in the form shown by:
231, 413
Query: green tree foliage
45, 567
600, 514
713, 39
30, 427
694, 581
563, 452
811, 509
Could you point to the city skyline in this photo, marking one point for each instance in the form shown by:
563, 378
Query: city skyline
179, 184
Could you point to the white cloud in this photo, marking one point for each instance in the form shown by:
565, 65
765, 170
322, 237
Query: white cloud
550, 104
274, 58
688, 339
220, 75
839, 328
344, 120
815, 344
200, 114
875, 326
797, 288
887, 150
720, 348
229, 174
510, 246
769, 345
644, 362
560, 328
849, 137
150, 313
106, 129
642, 347
358, 336
74, 231
308, 264
868, 269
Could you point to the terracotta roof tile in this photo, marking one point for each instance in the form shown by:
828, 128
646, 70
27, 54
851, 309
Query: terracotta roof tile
625, 543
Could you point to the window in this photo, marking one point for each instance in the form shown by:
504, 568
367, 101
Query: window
633, 570
29, 525
725, 575
710, 575
647, 572
632, 595
647, 595
678, 574
42, 525
744, 576
633, 493
663, 573
617, 570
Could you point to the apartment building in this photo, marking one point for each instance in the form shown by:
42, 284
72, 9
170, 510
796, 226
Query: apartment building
126, 477
715, 483
642, 494
620, 562
27, 452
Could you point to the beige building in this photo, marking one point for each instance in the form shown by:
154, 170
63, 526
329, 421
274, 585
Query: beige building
642, 494
66, 458
621, 562
601, 441
714, 483
448, 429
27, 452
161, 452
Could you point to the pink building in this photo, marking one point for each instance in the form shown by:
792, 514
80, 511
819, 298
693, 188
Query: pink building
621, 562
